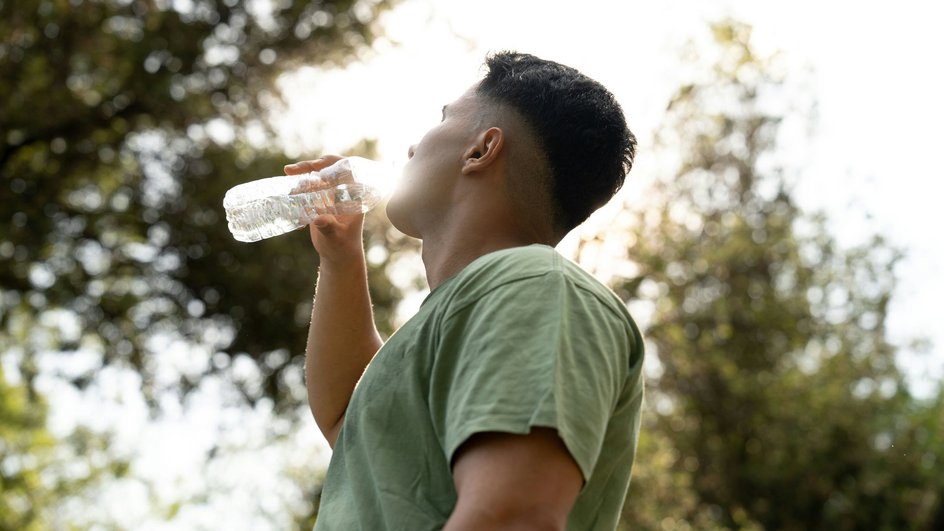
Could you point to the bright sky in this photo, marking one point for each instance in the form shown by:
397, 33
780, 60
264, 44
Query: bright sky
873, 71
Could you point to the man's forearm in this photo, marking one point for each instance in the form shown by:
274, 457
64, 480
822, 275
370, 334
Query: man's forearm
484, 520
342, 339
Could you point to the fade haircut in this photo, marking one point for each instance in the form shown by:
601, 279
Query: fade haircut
578, 123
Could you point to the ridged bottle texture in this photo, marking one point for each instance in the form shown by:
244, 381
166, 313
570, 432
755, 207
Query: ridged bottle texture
269, 207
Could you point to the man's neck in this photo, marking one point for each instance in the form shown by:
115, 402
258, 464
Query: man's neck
473, 226
446, 258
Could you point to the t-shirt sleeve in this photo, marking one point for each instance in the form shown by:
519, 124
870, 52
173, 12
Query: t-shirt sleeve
537, 352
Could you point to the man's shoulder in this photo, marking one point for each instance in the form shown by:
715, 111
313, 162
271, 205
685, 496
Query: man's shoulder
513, 263
508, 267
518, 267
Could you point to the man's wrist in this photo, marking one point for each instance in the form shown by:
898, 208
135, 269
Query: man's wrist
343, 263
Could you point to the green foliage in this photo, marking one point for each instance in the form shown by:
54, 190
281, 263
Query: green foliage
121, 126
122, 123
39, 471
23, 440
775, 402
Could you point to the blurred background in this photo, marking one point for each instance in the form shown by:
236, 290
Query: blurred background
778, 241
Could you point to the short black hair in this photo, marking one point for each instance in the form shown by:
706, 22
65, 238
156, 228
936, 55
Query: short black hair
578, 123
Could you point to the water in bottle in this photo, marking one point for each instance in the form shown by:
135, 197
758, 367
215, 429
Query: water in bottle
268, 207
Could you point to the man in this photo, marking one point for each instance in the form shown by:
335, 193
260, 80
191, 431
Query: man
511, 400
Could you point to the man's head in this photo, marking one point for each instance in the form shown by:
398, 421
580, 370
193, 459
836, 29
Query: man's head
578, 126
533, 139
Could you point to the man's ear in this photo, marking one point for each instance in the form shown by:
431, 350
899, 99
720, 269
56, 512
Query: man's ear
488, 147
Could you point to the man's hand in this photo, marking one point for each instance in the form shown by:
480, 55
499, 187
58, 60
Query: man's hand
337, 239
506, 481
342, 337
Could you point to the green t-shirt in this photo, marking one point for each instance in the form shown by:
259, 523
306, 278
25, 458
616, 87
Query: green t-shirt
520, 338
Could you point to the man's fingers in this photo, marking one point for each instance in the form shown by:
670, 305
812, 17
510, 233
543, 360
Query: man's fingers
323, 221
306, 166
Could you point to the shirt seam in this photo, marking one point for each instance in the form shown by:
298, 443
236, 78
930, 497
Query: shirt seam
607, 304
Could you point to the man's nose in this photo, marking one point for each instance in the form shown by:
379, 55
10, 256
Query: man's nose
410, 151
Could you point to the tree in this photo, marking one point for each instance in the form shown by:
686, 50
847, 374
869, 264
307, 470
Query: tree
23, 436
34, 463
122, 123
774, 399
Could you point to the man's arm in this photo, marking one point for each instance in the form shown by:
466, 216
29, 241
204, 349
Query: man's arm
514, 482
342, 337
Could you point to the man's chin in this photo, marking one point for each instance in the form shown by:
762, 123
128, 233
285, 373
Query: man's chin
399, 222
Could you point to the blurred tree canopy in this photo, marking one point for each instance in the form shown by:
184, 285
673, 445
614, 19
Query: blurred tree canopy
122, 124
774, 399
25, 439
37, 471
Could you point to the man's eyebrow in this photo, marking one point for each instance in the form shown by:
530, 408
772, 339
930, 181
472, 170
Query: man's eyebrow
444, 109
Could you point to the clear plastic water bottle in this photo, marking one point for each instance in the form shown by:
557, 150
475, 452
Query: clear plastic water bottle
268, 207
